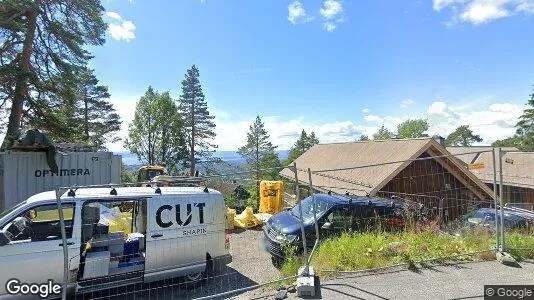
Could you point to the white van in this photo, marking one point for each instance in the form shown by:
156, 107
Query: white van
115, 236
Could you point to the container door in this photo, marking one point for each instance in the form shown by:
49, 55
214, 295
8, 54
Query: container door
36, 255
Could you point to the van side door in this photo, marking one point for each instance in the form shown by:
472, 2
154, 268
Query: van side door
178, 233
37, 256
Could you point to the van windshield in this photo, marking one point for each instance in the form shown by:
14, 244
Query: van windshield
321, 207
6, 212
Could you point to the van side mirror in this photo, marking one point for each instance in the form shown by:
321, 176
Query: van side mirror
4, 239
14, 230
5, 235
327, 226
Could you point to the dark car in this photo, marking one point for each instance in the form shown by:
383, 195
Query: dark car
512, 219
334, 214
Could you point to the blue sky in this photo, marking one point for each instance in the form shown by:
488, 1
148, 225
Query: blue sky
339, 68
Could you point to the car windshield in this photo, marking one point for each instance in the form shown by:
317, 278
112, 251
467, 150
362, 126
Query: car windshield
321, 207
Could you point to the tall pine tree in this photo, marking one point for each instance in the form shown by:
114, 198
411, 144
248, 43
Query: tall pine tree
98, 118
44, 44
525, 126
383, 134
198, 123
303, 144
84, 117
258, 150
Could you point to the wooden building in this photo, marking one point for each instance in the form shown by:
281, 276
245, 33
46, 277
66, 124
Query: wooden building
517, 172
420, 170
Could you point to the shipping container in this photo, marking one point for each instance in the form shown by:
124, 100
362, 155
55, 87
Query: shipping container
23, 174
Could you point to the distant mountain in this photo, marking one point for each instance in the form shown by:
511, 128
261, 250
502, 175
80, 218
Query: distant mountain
232, 157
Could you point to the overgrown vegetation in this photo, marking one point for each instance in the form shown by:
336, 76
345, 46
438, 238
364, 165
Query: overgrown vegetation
360, 251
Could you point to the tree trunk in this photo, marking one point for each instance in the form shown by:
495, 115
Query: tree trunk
257, 158
86, 117
193, 133
21, 85
150, 149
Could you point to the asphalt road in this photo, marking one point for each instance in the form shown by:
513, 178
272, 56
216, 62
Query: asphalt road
461, 281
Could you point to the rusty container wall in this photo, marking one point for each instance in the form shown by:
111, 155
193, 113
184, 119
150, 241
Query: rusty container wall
23, 174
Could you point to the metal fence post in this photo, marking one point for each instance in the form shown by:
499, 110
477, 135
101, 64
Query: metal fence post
497, 244
503, 244
297, 193
308, 260
64, 245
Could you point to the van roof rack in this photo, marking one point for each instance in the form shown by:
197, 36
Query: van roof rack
156, 183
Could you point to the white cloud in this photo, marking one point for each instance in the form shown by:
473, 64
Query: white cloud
332, 13
297, 13
284, 133
483, 11
329, 26
119, 28
478, 13
440, 4
125, 107
113, 15
366, 110
331, 9
493, 122
373, 118
527, 7
406, 103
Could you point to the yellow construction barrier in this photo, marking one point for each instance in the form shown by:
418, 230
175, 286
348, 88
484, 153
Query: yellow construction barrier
271, 197
230, 217
247, 219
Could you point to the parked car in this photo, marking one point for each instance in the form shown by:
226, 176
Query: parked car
513, 218
114, 237
334, 215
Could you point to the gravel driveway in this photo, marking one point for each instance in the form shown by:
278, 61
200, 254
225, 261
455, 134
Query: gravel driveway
251, 265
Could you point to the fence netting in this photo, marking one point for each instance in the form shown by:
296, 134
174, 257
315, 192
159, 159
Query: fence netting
429, 209
516, 187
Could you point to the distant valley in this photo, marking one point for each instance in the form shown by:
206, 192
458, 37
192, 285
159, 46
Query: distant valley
230, 157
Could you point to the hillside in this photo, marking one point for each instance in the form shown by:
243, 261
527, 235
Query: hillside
232, 161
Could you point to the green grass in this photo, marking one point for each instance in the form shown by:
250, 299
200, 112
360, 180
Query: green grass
520, 246
361, 251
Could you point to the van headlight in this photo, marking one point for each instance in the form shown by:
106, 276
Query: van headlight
288, 238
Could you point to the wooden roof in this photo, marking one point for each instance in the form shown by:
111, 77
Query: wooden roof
517, 167
363, 168
469, 154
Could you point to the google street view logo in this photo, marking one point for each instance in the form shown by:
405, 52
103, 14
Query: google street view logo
43, 290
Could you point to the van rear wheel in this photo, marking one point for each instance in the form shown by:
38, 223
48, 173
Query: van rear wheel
196, 279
